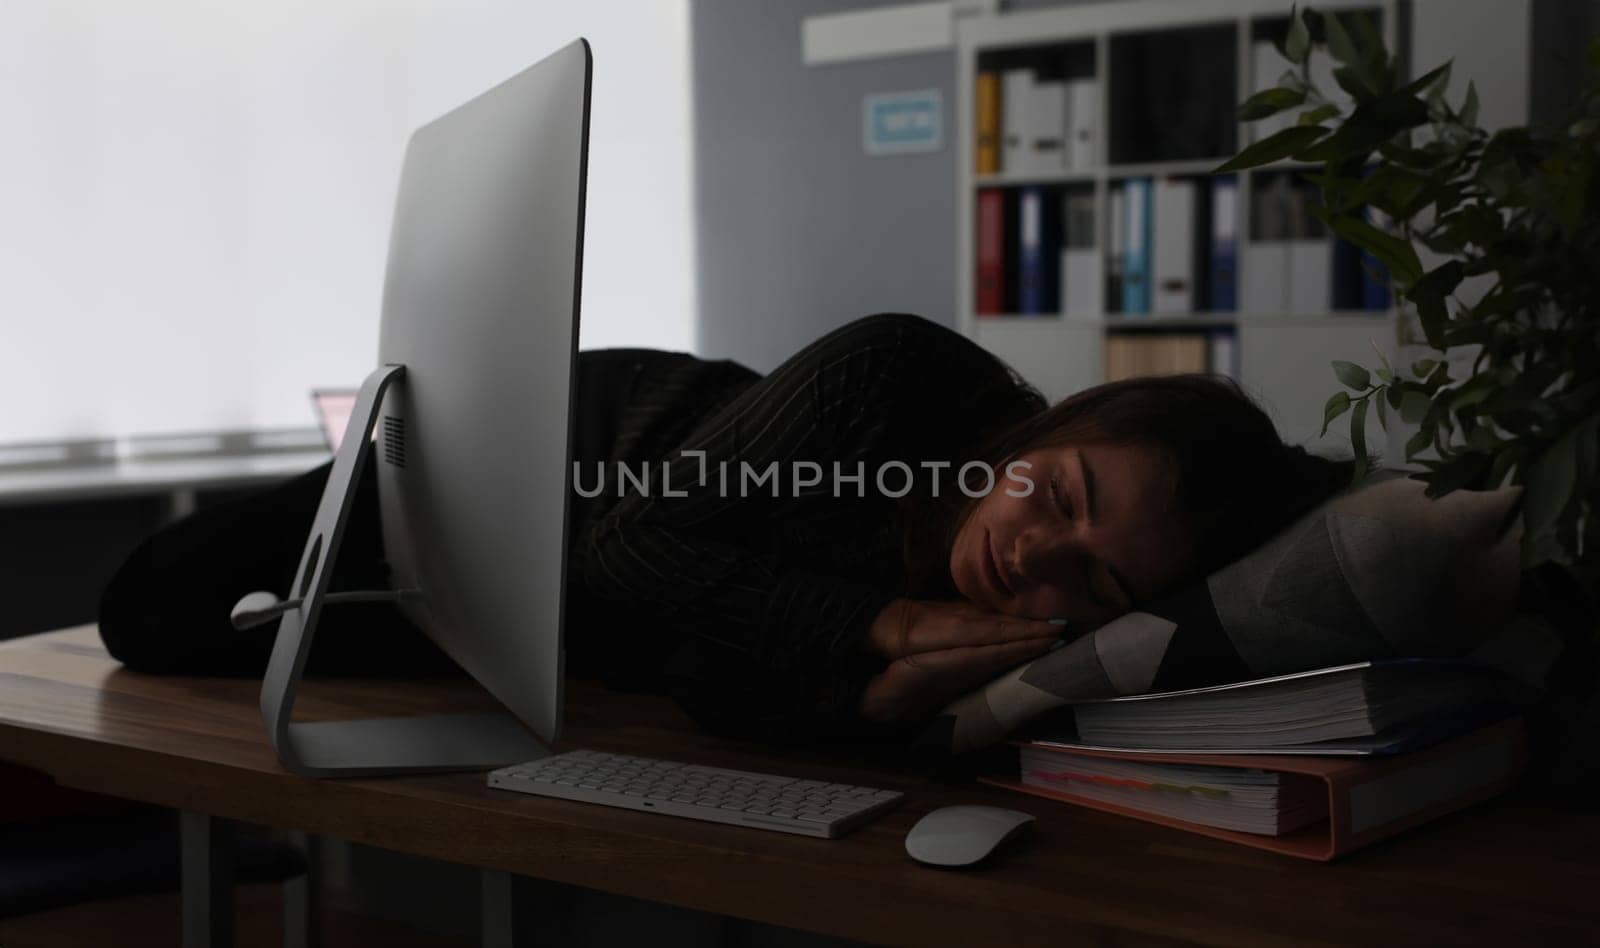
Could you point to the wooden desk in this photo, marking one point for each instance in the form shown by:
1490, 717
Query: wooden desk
1504, 873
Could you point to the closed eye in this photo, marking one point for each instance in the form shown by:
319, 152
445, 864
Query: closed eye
1058, 496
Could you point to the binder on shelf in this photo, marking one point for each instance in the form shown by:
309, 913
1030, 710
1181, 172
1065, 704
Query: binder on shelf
1116, 225
1266, 286
1083, 110
1172, 234
1047, 127
1010, 250
1224, 249
1367, 799
1310, 276
1080, 258
1266, 252
1039, 274
1136, 248
1016, 100
991, 271
986, 115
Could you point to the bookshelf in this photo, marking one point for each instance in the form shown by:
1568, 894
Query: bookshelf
1167, 77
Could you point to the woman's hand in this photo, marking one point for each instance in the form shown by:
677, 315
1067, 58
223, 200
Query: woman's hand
938, 651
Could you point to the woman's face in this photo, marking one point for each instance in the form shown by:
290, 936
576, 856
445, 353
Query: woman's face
1096, 533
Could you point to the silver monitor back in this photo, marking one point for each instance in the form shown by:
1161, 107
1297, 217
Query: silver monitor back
472, 402
480, 305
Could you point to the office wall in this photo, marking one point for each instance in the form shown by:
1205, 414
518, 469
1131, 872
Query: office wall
798, 230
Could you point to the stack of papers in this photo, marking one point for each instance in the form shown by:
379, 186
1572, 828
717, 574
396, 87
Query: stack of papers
1246, 801
1371, 704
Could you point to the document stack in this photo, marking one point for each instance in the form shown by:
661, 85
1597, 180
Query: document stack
1311, 765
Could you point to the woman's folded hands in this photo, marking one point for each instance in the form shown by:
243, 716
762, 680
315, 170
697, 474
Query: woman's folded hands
938, 651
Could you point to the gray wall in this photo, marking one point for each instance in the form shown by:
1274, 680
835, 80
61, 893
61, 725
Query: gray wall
798, 230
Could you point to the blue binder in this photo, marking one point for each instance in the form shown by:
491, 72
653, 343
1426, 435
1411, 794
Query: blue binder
1225, 244
1039, 269
1136, 248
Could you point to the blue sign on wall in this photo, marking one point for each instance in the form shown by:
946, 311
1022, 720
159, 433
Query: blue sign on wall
899, 123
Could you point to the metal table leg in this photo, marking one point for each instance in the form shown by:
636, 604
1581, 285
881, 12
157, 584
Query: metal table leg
302, 908
206, 849
499, 909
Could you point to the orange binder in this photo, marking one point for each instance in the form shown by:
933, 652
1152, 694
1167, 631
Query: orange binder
1369, 798
986, 113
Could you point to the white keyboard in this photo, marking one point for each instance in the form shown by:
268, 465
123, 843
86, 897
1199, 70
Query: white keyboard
764, 801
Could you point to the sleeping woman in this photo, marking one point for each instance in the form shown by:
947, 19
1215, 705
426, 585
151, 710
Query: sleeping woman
886, 521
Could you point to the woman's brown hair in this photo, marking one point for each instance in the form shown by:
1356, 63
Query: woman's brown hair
1234, 477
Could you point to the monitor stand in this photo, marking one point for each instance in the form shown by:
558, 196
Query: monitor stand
372, 746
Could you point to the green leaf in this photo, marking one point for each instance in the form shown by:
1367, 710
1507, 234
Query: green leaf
1504, 462
1418, 443
1274, 147
1429, 292
1354, 377
1444, 278
1396, 253
1340, 46
1358, 439
1383, 414
1269, 102
1431, 314
1469, 108
1430, 82
1297, 45
1319, 114
1371, 42
1413, 407
1452, 475
1338, 404
1551, 481
1422, 367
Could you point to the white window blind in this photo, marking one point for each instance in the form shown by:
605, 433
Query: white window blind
195, 195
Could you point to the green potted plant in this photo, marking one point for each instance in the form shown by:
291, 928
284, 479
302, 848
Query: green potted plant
1520, 210
1491, 243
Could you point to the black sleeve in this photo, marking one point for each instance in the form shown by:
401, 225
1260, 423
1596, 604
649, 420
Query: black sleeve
770, 647
166, 608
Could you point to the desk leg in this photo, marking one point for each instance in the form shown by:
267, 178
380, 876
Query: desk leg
206, 847
499, 909
302, 909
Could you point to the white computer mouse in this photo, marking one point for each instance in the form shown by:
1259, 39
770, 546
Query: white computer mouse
962, 835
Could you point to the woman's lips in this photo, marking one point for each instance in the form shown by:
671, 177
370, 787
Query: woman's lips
991, 567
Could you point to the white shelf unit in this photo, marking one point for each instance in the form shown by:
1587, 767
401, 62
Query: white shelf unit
1284, 359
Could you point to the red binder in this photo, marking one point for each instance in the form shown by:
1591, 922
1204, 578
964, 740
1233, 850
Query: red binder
991, 252
1369, 798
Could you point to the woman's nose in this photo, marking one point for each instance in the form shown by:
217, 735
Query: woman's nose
1038, 550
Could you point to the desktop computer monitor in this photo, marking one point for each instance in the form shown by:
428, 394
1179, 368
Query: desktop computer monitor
472, 405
